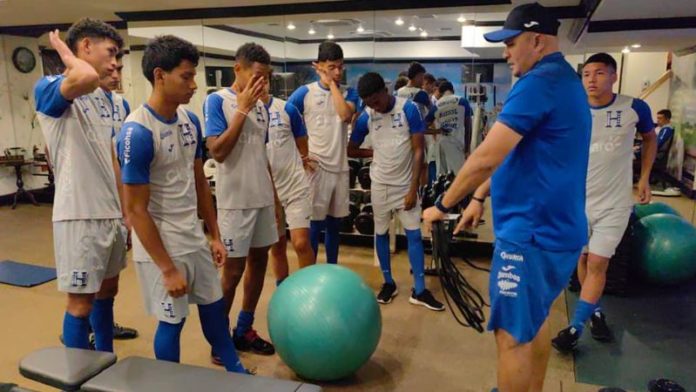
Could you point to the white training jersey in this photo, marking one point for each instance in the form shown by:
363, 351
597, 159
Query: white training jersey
449, 115
284, 126
392, 161
159, 152
609, 172
121, 109
327, 133
418, 96
79, 135
242, 179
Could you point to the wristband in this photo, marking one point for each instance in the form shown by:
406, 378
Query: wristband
241, 111
440, 206
478, 199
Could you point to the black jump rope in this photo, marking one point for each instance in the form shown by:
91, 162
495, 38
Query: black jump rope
464, 301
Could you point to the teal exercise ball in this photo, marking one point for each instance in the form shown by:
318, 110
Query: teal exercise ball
667, 249
324, 321
643, 210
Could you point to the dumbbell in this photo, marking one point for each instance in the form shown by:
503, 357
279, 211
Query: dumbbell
365, 223
356, 196
354, 209
355, 166
364, 177
346, 225
367, 208
367, 197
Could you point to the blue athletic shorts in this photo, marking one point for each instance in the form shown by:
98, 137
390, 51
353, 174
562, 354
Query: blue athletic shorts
524, 282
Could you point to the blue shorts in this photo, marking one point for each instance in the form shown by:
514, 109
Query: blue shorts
524, 282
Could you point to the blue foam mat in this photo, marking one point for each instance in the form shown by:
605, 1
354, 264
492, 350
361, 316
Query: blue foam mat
24, 275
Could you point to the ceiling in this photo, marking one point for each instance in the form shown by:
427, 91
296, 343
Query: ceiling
649, 21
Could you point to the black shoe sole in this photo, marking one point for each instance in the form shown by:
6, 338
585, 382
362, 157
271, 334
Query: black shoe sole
563, 350
602, 338
415, 301
394, 294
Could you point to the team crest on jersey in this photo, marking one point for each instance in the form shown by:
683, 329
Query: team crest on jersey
187, 134
78, 278
614, 119
397, 120
275, 120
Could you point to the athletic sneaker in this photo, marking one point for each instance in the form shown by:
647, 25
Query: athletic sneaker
124, 333
387, 293
566, 341
599, 328
664, 385
252, 342
426, 299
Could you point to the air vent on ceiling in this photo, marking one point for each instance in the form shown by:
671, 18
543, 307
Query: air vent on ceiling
336, 22
371, 33
445, 29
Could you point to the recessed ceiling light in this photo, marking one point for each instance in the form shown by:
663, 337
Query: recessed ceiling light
291, 26
461, 19
330, 36
360, 29
626, 50
635, 46
424, 33
311, 30
399, 21
411, 28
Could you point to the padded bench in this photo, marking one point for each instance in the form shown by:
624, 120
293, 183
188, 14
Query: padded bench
74, 369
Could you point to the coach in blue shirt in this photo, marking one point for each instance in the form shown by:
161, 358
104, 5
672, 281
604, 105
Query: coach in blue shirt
534, 162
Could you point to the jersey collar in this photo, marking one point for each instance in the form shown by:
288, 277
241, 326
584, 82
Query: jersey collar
160, 118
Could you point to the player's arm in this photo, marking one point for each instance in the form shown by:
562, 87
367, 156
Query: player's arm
646, 127
80, 77
223, 137
136, 152
357, 137
417, 129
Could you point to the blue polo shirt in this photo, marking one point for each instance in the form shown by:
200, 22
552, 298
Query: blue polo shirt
538, 193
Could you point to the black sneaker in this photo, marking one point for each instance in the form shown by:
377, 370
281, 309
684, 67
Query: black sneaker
664, 385
252, 342
566, 341
124, 333
426, 299
599, 329
387, 293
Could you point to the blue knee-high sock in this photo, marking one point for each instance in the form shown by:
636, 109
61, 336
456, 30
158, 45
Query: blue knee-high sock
382, 245
167, 341
598, 306
331, 239
583, 311
244, 322
76, 331
216, 328
315, 229
102, 321
416, 257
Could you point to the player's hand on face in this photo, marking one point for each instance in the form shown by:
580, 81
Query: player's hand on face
252, 92
410, 200
471, 216
644, 193
175, 283
217, 249
324, 76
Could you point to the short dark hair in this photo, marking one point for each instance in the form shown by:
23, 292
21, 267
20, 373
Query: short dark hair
439, 81
428, 77
167, 52
603, 58
403, 73
445, 86
369, 84
414, 69
666, 112
91, 28
401, 81
251, 52
330, 51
